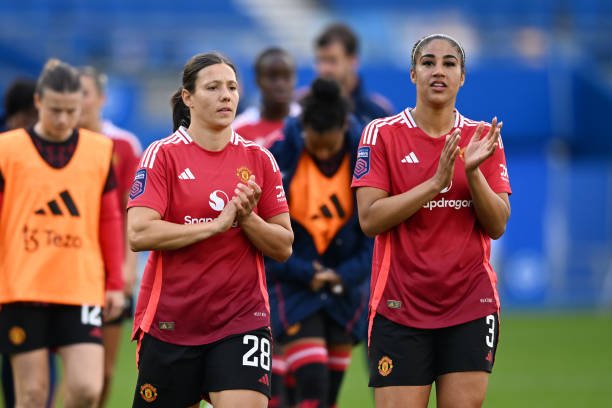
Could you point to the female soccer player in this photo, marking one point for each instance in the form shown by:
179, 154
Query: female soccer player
432, 186
319, 296
208, 204
60, 231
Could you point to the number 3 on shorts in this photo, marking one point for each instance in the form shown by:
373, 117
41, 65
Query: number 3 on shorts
263, 345
491, 323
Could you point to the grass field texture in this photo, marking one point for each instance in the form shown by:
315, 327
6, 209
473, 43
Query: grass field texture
543, 360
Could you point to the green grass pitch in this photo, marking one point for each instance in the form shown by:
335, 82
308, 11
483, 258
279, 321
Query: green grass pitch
544, 360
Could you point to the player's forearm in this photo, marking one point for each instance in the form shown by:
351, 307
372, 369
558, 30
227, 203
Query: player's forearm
388, 212
163, 235
272, 239
491, 210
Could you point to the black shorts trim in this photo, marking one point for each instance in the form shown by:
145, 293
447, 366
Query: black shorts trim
401, 355
171, 375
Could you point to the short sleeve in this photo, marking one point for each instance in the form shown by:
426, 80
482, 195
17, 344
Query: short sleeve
371, 167
150, 184
272, 201
495, 170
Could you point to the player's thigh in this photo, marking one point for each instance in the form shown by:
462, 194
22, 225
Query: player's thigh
238, 398
400, 355
402, 396
83, 367
31, 371
169, 375
240, 362
462, 389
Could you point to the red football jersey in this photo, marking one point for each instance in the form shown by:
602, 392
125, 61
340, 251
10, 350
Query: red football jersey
433, 269
252, 126
217, 287
126, 154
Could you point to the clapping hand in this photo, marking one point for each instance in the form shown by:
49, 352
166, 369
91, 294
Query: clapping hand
481, 148
446, 164
246, 198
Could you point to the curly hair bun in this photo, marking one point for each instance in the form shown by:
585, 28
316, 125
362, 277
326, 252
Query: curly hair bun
326, 90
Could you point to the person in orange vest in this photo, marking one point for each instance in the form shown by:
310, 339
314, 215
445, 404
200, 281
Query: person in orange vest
319, 297
61, 245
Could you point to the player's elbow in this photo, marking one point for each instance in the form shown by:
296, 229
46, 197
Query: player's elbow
497, 232
368, 227
136, 239
281, 254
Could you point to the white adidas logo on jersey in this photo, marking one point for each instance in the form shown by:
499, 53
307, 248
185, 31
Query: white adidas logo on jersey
410, 158
186, 175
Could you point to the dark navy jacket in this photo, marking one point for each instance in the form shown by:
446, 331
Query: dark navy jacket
349, 254
367, 107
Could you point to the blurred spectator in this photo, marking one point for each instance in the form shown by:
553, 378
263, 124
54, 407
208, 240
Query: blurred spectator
126, 154
337, 57
275, 78
19, 109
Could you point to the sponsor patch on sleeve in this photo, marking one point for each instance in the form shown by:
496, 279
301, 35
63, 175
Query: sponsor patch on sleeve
362, 166
139, 184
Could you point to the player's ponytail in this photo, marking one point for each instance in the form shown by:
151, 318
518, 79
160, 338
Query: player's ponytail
180, 112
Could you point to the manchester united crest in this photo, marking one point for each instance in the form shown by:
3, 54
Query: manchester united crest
148, 392
385, 366
17, 335
243, 173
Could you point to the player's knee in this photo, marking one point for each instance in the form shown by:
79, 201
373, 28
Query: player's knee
32, 395
83, 394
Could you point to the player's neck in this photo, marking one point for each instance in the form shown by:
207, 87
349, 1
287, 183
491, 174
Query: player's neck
351, 84
434, 121
274, 111
94, 126
213, 140
40, 131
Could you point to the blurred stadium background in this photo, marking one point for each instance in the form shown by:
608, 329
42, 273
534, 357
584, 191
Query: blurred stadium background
543, 66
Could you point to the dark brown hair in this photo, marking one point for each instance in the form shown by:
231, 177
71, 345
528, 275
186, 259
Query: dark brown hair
58, 76
180, 111
418, 46
342, 34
